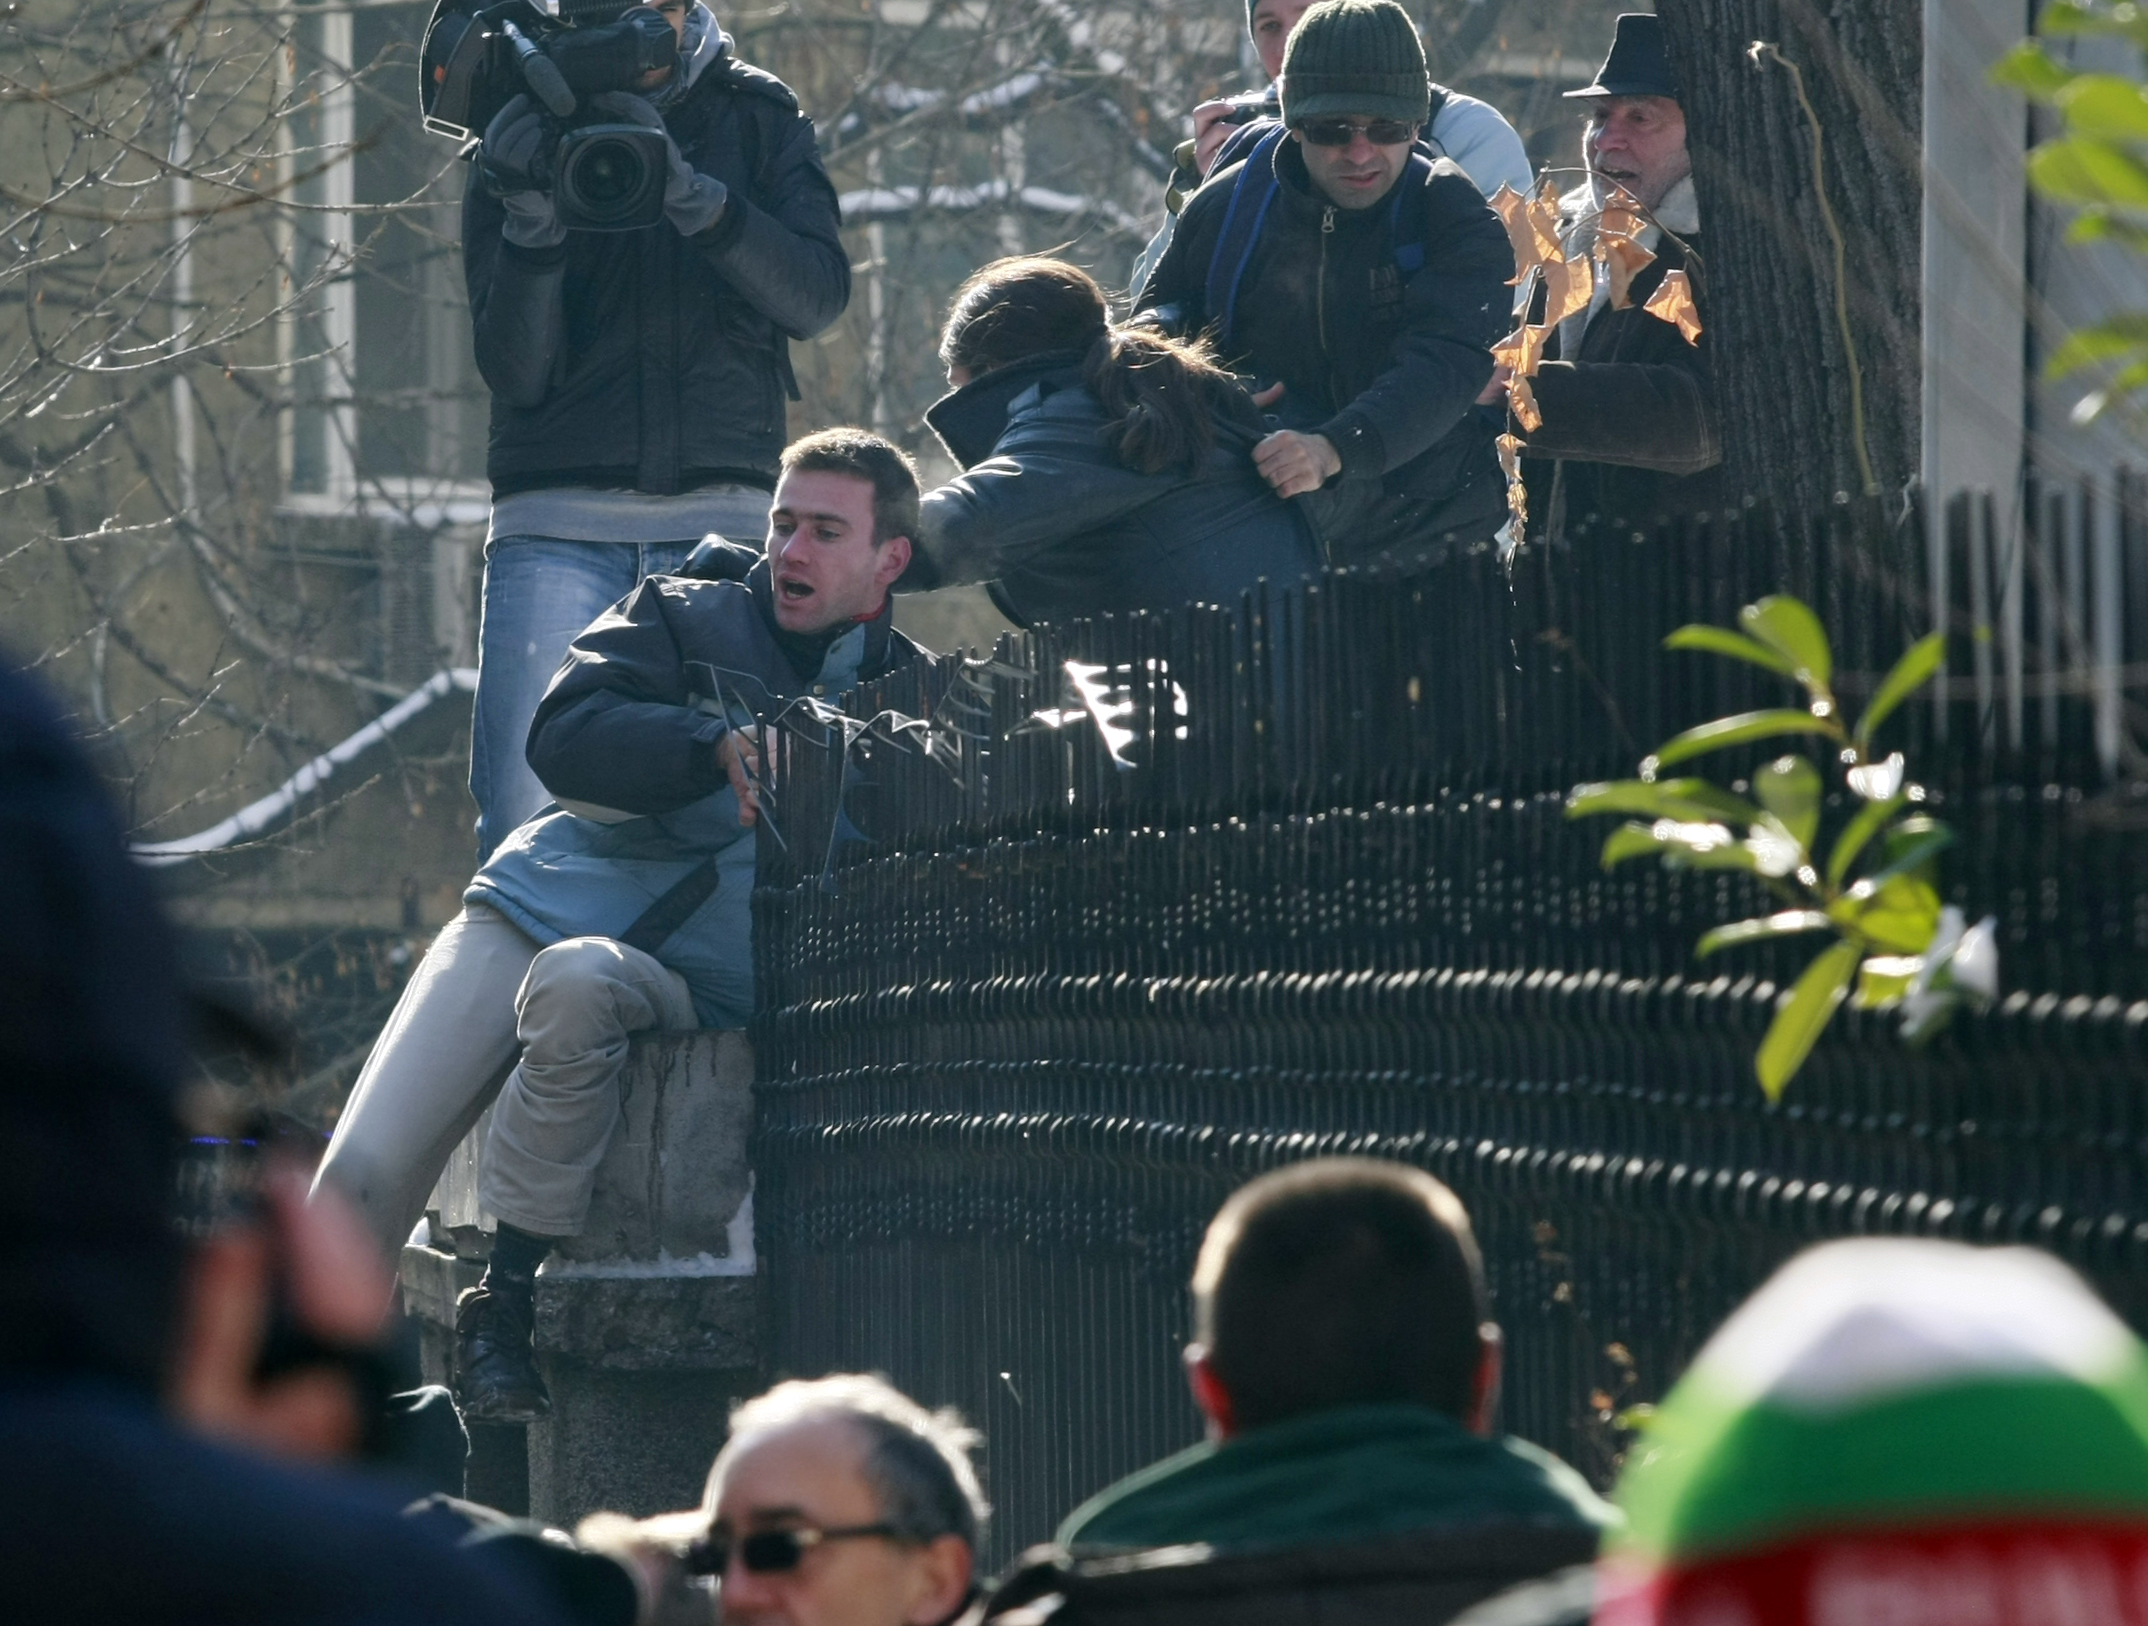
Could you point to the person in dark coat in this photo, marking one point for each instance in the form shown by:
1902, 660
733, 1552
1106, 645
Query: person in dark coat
1629, 432
638, 378
1346, 1361
172, 1408
1105, 469
1365, 279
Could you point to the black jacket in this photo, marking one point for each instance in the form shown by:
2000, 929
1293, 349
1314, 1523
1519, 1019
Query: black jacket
1387, 366
1629, 433
1064, 529
110, 1512
623, 727
649, 361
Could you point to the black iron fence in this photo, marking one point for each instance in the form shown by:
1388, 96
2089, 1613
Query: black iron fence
1057, 948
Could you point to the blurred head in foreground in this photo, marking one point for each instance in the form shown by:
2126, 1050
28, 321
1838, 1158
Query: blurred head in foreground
1897, 1433
246, 1333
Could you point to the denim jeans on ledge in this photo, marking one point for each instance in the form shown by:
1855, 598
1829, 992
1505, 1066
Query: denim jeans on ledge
539, 593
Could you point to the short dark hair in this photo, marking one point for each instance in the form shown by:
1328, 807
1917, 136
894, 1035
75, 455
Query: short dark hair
881, 464
1341, 1282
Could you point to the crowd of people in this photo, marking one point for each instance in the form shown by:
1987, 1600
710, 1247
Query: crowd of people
1304, 379
209, 1427
219, 1428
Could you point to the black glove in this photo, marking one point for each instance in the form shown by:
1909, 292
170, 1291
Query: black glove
514, 165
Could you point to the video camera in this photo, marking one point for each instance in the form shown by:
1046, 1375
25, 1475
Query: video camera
603, 175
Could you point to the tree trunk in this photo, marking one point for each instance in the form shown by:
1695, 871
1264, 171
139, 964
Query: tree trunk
1786, 377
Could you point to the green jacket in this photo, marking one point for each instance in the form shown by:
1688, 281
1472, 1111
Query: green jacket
1341, 1475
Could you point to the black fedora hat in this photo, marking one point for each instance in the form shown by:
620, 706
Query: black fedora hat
1638, 64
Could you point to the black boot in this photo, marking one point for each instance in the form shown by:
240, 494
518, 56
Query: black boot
496, 1379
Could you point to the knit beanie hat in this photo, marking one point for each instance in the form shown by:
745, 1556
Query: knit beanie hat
1898, 1431
1355, 59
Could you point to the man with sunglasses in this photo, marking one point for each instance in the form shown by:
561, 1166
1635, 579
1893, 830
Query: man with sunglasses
1476, 135
838, 1501
1361, 285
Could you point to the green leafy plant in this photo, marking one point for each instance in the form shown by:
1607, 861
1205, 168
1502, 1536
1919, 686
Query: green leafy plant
1873, 891
2099, 165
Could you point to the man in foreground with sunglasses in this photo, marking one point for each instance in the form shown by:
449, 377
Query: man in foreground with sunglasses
838, 1501
1361, 285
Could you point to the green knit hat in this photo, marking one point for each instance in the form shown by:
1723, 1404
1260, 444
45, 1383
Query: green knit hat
1892, 1419
1355, 59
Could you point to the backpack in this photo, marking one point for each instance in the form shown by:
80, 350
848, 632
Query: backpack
1254, 193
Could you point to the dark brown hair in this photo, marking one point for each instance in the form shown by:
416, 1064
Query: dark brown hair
1162, 395
881, 464
1344, 1281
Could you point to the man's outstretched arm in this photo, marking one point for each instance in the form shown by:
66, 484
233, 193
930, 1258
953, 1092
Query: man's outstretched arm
618, 728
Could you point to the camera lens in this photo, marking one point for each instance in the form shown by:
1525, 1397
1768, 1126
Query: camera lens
609, 174
611, 177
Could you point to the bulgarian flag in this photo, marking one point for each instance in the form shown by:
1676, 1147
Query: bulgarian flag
1896, 1433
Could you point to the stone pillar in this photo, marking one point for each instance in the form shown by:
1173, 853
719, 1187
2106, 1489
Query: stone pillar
648, 1322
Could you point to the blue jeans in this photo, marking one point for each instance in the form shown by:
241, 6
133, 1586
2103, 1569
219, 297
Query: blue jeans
539, 593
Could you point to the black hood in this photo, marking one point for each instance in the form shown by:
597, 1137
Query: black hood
970, 420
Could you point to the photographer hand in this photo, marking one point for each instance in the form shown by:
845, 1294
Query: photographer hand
510, 164
693, 202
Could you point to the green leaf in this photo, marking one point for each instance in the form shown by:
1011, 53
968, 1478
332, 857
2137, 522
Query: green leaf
2101, 226
2129, 378
1857, 832
2106, 107
1736, 855
1911, 846
1903, 679
1789, 788
2033, 71
2079, 169
2105, 342
1885, 980
1803, 1015
1790, 923
1687, 800
1785, 625
2069, 17
1629, 841
1722, 641
1899, 913
1728, 731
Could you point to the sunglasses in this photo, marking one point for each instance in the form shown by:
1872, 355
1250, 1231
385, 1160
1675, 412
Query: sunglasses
1338, 132
771, 1552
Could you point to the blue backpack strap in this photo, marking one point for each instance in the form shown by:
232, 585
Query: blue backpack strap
1410, 255
1242, 223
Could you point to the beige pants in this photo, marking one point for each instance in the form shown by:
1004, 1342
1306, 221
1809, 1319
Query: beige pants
489, 1012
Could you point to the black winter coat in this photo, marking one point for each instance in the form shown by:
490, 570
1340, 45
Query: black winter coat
1063, 529
1629, 435
622, 725
652, 362
1386, 366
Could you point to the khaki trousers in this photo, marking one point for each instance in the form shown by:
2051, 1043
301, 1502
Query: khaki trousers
487, 1013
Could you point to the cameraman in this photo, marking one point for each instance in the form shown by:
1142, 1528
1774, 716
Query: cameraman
638, 378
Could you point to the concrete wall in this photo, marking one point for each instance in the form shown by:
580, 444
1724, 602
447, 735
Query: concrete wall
648, 1327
